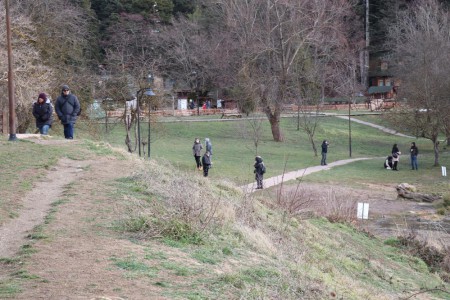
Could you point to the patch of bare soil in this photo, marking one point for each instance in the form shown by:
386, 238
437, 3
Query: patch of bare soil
389, 216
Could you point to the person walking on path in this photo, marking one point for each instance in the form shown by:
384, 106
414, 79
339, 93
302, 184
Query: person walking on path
197, 151
414, 151
259, 171
395, 157
67, 108
325, 144
208, 146
206, 161
43, 113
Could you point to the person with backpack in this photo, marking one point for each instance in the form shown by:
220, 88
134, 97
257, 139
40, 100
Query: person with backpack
395, 157
43, 113
259, 171
68, 109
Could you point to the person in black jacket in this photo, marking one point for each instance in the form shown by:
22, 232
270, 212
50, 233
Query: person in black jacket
395, 157
206, 161
43, 113
414, 151
67, 108
325, 144
259, 171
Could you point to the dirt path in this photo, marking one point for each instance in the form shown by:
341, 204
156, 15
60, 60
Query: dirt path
36, 205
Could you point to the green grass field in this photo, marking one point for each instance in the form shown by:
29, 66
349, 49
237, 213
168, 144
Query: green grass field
233, 149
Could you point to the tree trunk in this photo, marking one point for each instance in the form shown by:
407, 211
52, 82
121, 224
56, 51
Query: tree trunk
436, 151
275, 127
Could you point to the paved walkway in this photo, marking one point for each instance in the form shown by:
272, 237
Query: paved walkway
272, 181
382, 128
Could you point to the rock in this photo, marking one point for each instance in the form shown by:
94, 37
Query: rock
407, 191
408, 187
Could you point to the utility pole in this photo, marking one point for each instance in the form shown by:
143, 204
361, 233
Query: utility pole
11, 92
366, 50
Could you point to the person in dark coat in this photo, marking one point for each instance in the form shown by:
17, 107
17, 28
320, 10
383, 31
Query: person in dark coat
414, 152
197, 151
208, 146
43, 113
323, 162
259, 171
206, 161
395, 157
67, 108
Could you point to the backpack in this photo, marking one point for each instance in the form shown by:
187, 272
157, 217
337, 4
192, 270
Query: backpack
263, 168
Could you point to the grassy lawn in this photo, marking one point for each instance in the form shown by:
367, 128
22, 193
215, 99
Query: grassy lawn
234, 151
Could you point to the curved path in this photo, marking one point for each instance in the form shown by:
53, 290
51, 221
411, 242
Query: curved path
382, 128
272, 181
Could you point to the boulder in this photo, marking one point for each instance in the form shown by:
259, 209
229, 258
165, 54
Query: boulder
409, 192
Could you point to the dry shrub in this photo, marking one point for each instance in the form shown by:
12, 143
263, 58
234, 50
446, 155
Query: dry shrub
434, 258
296, 201
337, 208
180, 206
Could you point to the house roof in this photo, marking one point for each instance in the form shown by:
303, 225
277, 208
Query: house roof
379, 89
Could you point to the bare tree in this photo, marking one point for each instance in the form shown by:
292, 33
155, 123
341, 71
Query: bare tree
271, 36
420, 42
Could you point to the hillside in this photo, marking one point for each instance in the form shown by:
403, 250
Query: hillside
124, 228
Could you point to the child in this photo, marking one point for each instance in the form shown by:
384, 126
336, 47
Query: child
259, 171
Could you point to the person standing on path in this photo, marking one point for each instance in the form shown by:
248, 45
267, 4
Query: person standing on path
325, 144
67, 108
206, 161
259, 171
395, 157
197, 151
208, 146
43, 113
414, 151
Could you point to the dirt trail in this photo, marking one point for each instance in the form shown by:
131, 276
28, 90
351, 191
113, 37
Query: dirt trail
36, 205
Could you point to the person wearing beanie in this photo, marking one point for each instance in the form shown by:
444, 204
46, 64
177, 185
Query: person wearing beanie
43, 113
67, 108
259, 171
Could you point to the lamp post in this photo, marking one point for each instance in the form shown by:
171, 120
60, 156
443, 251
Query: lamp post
11, 92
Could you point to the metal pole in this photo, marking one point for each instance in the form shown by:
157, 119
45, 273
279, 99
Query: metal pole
138, 122
349, 128
149, 121
11, 92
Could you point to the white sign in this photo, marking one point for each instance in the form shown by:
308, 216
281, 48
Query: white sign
363, 211
444, 171
182, 104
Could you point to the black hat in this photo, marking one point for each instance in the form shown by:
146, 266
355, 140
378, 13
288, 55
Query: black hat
65, 87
